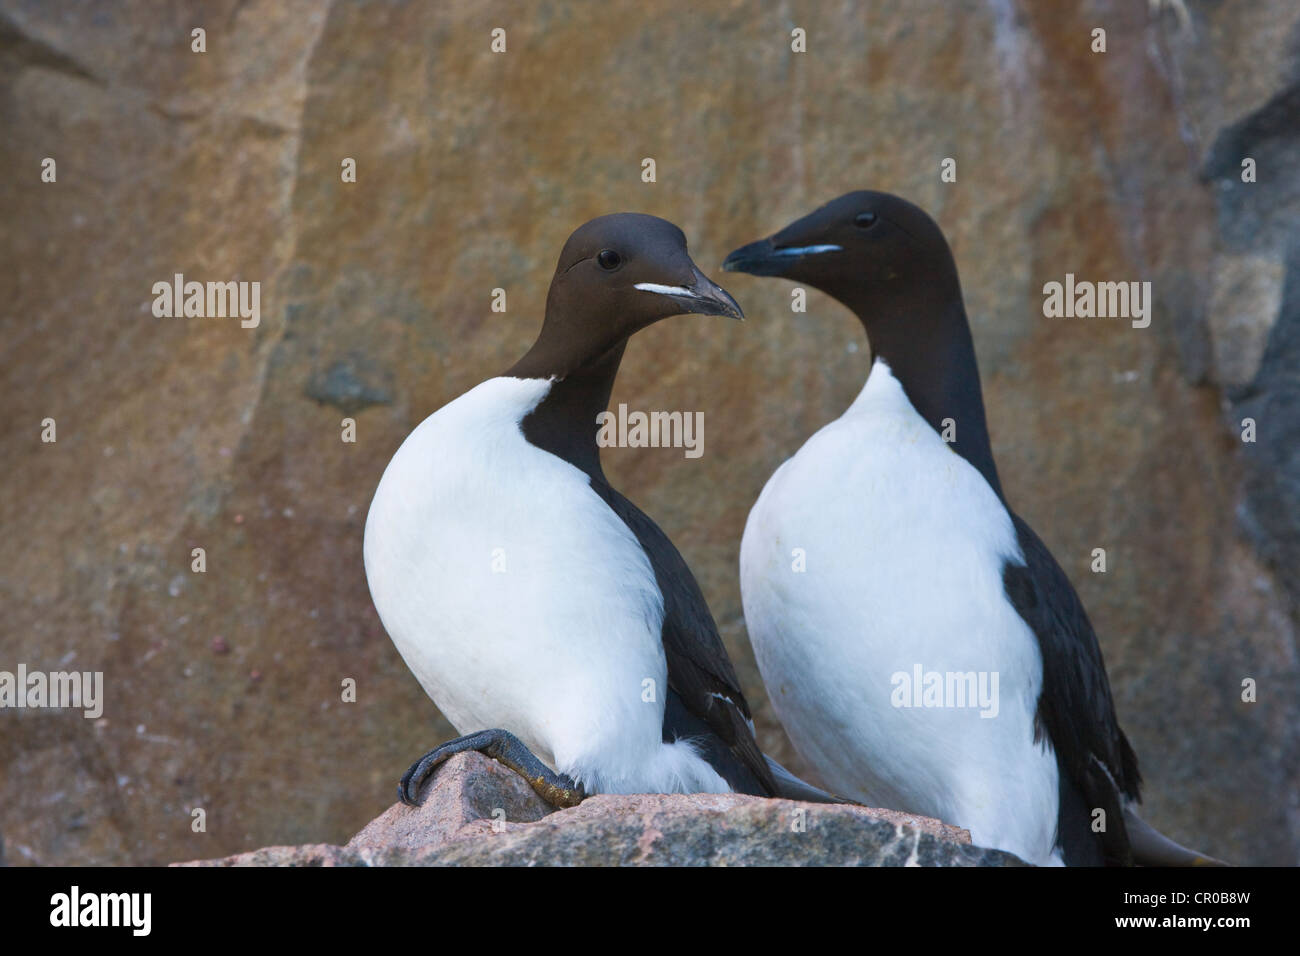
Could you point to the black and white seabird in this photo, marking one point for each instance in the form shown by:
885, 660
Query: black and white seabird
913, 564
548, 618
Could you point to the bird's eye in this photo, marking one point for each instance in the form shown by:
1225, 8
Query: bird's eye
609, 260
865, 220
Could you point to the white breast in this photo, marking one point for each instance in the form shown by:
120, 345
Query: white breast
904, 544
520, 601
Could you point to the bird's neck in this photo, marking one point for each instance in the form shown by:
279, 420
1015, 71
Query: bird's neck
927, 344
564, 421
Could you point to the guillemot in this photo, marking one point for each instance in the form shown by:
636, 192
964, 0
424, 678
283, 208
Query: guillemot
551, 621
910, 564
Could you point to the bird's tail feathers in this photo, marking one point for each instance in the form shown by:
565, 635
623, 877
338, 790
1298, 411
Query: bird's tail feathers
790, 787
1153, 848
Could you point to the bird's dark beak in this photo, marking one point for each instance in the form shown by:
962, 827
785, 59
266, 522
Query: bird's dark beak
702, 296
767, 257
756, 259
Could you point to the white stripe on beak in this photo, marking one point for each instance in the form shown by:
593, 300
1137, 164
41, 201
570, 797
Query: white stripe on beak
665, 289
804, 250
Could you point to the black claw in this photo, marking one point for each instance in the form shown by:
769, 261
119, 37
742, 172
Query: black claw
502, 746
408, 789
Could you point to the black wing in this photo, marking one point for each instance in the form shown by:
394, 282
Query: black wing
1075, 709
703, 691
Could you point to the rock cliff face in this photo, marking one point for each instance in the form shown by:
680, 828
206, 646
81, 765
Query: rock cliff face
474, 812
223, 688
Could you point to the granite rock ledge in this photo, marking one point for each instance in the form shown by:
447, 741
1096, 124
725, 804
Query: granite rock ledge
475, 812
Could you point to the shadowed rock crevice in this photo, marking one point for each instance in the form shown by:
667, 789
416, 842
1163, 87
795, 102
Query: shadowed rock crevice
1271, 511
1262, 220
351, 384
19, 50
